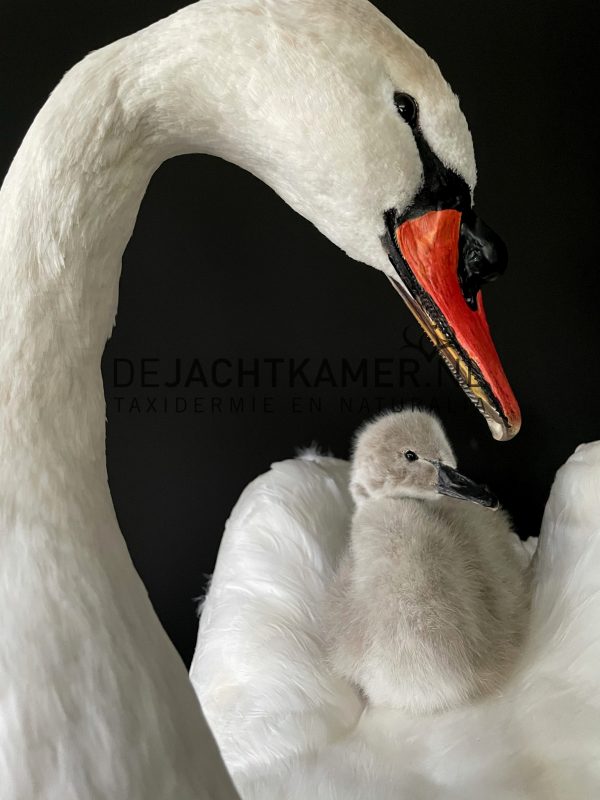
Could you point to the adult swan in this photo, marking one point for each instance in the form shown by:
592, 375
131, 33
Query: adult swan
354, 126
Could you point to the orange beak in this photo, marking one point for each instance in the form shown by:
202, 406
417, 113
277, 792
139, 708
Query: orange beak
429, 246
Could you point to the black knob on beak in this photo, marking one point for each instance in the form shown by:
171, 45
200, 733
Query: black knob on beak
482, 257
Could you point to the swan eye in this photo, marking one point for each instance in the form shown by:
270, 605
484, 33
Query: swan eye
410, 455
406, 107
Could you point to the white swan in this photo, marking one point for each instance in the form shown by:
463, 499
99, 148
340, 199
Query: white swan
354, 127
288, 729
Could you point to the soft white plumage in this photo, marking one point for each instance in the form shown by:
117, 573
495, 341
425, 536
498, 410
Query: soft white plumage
288, 728
95, 702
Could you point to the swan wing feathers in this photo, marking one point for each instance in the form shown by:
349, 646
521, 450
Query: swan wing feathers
287, 728
259, 665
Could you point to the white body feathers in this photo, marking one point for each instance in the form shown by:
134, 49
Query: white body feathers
95, 703
288, 728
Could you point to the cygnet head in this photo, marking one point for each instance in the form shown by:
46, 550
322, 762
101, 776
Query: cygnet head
407, 454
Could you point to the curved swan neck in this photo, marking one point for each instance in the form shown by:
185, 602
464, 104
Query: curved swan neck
71, 196
70, 199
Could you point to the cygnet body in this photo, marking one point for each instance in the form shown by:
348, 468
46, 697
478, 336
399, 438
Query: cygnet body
428, 605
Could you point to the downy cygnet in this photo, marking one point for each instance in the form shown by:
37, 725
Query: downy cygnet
429, 602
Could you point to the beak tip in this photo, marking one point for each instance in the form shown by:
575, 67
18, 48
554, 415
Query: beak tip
505, 431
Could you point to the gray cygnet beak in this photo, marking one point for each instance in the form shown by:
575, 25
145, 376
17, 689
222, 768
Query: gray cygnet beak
453, 484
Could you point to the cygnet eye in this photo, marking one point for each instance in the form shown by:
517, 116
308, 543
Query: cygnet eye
410, 455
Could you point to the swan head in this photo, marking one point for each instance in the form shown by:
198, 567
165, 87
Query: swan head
407, 454
357, 129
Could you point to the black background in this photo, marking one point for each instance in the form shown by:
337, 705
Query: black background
274, 287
